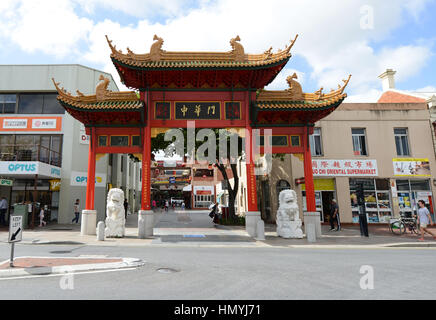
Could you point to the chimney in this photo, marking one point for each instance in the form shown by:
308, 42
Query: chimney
388, 81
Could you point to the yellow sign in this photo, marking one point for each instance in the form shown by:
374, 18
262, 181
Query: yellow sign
406, 167
322, 185
55, 185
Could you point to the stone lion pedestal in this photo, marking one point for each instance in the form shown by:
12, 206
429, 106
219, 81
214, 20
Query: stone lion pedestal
288, 221
115, 218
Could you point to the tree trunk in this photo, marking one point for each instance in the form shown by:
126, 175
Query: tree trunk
233, 192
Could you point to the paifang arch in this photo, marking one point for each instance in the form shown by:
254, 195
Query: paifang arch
172, 85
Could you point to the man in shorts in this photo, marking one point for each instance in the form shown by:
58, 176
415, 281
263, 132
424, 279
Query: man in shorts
424, 220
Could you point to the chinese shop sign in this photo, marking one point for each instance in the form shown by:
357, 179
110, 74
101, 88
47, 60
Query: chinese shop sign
345, 168
198, 110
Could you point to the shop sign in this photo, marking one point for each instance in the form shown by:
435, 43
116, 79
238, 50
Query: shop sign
411, 167
321, 185
44, 123
14, 124
55, 185
80, 179
345, 168
31, 124
29, 167
84, 138
203, 189
6, 182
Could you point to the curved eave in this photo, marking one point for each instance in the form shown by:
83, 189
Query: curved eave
101, 107
174, 66
296, 105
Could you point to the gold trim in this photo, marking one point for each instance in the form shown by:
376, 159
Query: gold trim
299, 139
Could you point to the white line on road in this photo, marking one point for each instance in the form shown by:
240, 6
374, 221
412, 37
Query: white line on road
69, 273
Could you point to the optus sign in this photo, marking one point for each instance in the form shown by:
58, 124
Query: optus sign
22, 167
80, 179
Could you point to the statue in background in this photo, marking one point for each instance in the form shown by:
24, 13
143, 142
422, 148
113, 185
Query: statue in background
115, 218
287, 220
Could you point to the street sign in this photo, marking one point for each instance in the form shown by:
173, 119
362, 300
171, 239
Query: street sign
15, 229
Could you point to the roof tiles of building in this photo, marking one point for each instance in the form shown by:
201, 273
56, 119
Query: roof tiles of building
158, 58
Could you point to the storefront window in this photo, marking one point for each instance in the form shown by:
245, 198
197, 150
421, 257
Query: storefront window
410, 192
377, 200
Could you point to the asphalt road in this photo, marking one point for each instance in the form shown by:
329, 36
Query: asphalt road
234, 273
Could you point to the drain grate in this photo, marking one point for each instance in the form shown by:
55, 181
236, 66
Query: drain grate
167, 270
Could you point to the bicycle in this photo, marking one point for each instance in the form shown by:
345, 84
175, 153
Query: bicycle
399, 226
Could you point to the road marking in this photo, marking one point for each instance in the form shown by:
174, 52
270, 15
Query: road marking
67, 273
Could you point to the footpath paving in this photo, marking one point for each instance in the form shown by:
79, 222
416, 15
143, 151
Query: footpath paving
195, 228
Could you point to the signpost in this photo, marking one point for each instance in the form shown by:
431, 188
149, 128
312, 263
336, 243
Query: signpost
15, 234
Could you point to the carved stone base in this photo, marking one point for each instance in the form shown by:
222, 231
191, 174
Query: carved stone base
290, 229
115, 228
145, 223
89, 222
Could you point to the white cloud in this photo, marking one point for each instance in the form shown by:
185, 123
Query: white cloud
331, 39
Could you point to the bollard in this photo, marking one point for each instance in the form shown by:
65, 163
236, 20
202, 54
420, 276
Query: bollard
311, 232
100, 231
260, 230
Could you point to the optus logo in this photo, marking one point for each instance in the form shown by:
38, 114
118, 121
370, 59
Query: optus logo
22, 167
82, 179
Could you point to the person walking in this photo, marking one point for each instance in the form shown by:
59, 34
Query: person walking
41, 218
166, 205
424, 219
126, 206
183, 205
76, 211
3, 209
334, 216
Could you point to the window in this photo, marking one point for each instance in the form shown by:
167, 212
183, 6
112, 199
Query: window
401, 141
8, 103
315, 142
51, 104
30, 103
359, 142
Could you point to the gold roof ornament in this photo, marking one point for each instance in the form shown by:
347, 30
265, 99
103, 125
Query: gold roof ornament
161, 58
295, 98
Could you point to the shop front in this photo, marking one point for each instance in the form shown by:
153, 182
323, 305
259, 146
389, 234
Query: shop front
325, 191
203, 196
410, 191
378, 202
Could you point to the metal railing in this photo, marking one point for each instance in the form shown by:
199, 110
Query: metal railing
20, 152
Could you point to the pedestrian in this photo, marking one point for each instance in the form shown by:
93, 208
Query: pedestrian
183, 205
334, 216
126, 206
166, 205
153, 204
424, 219
76, 211
41, 218
3, 209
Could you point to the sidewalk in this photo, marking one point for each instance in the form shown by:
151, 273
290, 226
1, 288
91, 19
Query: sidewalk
195, 229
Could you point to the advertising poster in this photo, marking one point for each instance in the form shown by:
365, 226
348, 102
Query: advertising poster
407, 167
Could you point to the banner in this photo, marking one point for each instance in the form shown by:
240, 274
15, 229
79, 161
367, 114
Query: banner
36, 123
411, 167
345, 168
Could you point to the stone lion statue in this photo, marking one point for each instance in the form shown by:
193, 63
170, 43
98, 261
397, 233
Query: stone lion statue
115, 218
288, 221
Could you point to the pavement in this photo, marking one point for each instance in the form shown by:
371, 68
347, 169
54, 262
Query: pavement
186, 229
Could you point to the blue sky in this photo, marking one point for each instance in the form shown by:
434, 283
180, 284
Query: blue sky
332, 41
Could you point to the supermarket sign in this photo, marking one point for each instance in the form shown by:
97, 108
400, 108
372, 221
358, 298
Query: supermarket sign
345, 168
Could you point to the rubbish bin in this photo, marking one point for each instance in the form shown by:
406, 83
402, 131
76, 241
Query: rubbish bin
21, 210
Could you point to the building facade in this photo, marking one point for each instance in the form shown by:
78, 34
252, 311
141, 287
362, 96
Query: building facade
388, 146
44, 150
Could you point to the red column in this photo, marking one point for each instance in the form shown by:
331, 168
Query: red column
251, 177
90, 183
308, 174
146, 160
